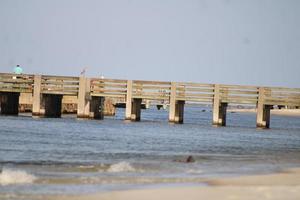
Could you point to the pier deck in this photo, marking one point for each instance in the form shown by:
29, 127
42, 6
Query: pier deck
47, 92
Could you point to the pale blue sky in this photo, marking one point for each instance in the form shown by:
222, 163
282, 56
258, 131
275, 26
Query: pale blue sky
253, 42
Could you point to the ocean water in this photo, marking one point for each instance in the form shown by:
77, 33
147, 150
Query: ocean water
44, 156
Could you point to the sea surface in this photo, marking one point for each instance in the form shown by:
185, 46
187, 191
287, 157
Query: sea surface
44, 156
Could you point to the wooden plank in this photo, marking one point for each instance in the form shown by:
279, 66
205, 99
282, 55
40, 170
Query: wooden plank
107, 90
108, 95
109, 85
15, 85
190, 84
150, 97
150, 93
283, 89
195, 95
151, 82
59, 88
241, 87
239, 97
154, 87
240, 92
97, 80
194, 99
16, 81
16, 90
60, 82
281, 99
195, 89
59, 92
236, 101
60, 77
284, 103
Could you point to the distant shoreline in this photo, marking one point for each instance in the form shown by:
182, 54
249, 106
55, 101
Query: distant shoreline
283, 112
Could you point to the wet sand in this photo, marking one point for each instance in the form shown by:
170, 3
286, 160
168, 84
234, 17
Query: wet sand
283, 185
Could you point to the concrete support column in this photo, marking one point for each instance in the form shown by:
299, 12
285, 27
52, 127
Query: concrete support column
97, 107
9, 103
52, 104
219, 108
128, 100
179, 110
84, 98
263, 111
172, 107
36, 107
136, 110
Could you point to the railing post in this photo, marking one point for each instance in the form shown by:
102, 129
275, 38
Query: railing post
36, 107
83, 109
172, 107
263, 111
128, 100
219, 108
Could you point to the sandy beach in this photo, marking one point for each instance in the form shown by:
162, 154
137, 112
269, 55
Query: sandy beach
283, 112
283, 185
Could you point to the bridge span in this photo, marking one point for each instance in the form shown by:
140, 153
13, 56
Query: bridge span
47, 92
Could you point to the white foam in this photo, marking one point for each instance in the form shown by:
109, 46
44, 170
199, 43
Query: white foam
9, 176
121, 167
194, 171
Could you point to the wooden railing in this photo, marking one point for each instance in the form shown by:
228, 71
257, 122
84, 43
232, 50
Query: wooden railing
239, 94
64, 85
282, 96
108, 87
154, 90
22, 83
195, 92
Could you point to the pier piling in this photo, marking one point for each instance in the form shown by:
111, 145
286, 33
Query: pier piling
9, 102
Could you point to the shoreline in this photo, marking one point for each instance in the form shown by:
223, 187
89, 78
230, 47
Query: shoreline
282, 112
281, 185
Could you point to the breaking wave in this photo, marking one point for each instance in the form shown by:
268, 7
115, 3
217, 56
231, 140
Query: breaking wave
8, 177
121, 167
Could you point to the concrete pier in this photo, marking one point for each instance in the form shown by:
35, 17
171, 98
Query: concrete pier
219, 108
97, 107
172, 107
36, 104
179, 111
128, 110
263, 111
84, 98
9, 103
136, 110
52, 104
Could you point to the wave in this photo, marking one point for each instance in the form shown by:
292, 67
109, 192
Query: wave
121, 167
8, 177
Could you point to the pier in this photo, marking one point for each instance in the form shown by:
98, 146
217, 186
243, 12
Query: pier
48, 91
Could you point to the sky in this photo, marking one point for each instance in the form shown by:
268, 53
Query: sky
247, 42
